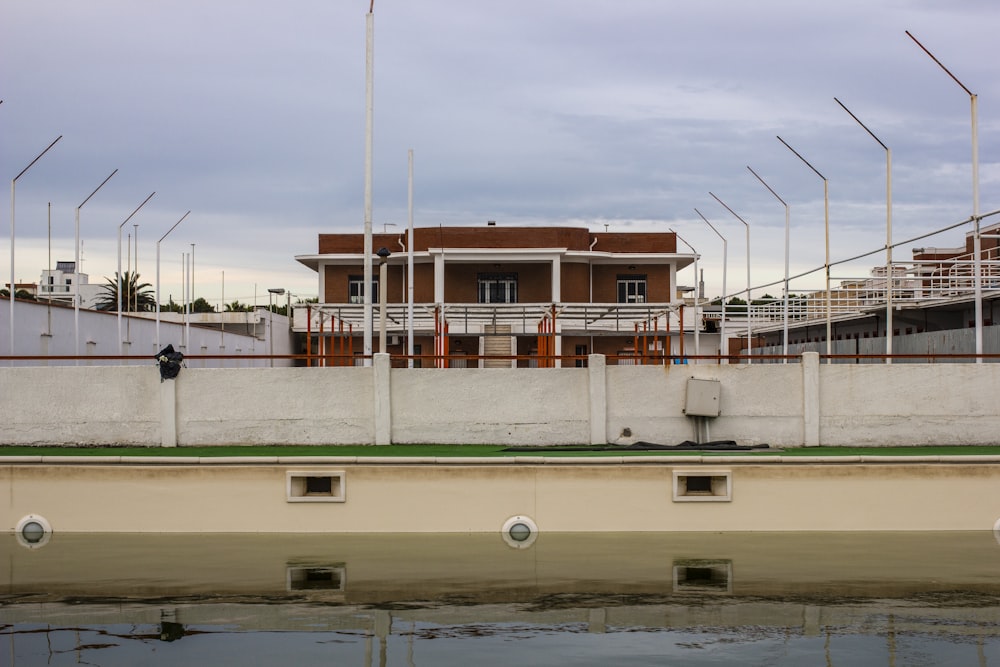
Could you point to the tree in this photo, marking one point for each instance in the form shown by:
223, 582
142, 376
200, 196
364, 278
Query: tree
171, 306
136, 296
200, 305
237, 307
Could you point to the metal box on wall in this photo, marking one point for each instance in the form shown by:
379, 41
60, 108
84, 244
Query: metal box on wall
702, 398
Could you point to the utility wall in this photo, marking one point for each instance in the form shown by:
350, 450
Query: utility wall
786, 405
43, 330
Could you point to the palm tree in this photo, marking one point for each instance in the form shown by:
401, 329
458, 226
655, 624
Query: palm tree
136, 296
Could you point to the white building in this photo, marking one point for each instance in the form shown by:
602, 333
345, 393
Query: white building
61, 285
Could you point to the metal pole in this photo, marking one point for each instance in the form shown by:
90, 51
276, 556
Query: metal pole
13, 288
121, 349
383, 297
749, 331
725, 260
78, 269
190, 300
409, 265
976, 236
784, 346
826, 236
888, 233
157, 304
697, 319
369, 121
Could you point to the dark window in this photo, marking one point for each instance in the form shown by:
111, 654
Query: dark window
355, 289
497, 287
632, 288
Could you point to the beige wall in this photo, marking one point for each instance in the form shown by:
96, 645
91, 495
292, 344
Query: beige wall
479, 496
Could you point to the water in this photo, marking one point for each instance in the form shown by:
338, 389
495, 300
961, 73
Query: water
578, 599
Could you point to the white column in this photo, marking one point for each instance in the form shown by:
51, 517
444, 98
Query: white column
439, 278
810, 399
597, 376
168, 413
556, 280
383, 403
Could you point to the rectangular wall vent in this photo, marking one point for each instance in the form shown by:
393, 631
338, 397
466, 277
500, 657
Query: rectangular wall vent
315, 487
703, 486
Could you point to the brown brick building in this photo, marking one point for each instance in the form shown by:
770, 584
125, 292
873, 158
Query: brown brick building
502, 291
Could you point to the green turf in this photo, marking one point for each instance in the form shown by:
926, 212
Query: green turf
473, 450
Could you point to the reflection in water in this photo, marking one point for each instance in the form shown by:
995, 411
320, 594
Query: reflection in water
567, 599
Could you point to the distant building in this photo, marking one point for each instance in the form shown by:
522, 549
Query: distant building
494, 291
933, 298
61, 284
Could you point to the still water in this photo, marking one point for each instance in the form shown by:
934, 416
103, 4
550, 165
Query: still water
562, 599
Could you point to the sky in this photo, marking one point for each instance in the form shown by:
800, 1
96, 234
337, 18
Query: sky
613, 115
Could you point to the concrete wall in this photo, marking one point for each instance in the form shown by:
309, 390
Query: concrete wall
44, 330
786, 405
383, 496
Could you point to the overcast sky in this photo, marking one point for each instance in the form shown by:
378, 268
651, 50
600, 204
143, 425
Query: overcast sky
604, 114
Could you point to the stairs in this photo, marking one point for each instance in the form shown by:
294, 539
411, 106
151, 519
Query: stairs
497, 342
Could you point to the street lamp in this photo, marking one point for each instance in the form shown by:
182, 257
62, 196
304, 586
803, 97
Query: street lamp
13, 288
784, 349
77, 268
369, 149
409, 261
121, 350
976, 237
383, 294
888, 233
725, 251
697, 319
747, 224
157, 305
826, 231
271, 292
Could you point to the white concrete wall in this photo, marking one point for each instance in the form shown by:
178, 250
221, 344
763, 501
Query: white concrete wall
786, 405
43, 330
490, 406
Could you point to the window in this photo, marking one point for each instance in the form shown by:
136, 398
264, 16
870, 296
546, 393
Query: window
497, 287
632, 288
355, 289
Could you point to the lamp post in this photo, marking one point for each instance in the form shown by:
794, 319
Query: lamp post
826, 232
409, 262
697, 319
784, 346
189, 307
725, 252
888, 233
13, 287
157, 304
271, 292
77, 268
120, 342
749, 331
369, 123
383, 295
135, 266
977, 263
